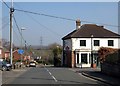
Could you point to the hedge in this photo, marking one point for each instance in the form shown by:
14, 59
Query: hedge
109, 55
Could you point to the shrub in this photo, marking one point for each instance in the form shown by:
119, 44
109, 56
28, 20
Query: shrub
113, 58
104, 51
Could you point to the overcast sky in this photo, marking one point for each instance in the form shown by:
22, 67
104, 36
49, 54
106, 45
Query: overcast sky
50, 29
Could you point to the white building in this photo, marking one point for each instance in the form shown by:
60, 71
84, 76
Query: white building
80, 46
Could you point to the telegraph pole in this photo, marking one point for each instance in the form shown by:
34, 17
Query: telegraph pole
11, 32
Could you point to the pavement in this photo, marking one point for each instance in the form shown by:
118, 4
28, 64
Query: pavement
95, 73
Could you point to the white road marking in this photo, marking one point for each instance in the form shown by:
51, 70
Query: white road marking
51, 75
54, 78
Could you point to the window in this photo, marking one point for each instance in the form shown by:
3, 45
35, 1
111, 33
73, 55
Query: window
77, 58
84, 58
110, 43
82, 42
96, 43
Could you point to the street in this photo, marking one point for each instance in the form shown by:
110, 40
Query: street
47, 75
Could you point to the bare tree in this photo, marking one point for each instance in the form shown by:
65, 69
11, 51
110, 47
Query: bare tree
6, 44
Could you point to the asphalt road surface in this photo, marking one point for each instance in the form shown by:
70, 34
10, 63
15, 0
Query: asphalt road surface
48, 76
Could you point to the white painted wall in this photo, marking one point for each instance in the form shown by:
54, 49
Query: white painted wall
103, 43
74, 44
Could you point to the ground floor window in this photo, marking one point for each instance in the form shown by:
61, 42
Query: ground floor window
77, 58
84, 58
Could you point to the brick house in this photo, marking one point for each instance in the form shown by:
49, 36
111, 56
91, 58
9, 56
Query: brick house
17, 56
6, 55
80, 47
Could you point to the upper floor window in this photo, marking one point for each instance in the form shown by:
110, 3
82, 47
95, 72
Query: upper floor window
110, 43
82, 42
96, 43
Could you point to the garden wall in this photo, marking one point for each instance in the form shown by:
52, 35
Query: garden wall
110, 69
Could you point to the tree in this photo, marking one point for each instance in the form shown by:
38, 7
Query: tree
57, 52
104, 51
6, 44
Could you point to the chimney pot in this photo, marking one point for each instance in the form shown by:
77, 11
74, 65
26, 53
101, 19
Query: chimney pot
78, 24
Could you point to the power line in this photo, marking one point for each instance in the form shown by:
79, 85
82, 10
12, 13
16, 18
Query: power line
59, 17
16, 35
18, 27
101, 24
6, 4
45, 15
63, 17
43, 25
19, 30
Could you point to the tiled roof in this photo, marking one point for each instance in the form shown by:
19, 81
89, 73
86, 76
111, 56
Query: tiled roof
87, 30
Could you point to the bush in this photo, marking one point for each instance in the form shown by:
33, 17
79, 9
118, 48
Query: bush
103, 52
113, 58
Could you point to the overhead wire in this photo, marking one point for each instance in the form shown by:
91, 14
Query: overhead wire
25, 42
18, 28
16, 25
5, 4
45, 15
16, 35
43, 25
64, 18
59, 17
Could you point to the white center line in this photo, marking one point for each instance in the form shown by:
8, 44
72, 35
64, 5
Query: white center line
54, 78
51, 74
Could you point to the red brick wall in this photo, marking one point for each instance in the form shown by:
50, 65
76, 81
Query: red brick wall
73, 59
2, 55
70, 58
16, 56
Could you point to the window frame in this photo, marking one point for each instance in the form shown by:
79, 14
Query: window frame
98, 43
109, 42
78, 57
86, 58
83, 43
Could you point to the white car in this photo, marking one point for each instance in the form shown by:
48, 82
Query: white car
32, 64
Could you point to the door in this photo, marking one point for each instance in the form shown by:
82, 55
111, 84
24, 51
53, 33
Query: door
84, 58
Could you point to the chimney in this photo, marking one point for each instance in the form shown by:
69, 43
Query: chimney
78, 24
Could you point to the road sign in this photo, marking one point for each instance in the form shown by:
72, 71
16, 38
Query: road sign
20, 51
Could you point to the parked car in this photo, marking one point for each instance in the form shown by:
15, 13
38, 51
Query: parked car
32, 64
5, 66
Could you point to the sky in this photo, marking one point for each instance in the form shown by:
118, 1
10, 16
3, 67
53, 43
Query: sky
52, 30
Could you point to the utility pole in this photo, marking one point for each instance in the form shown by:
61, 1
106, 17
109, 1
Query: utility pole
41, 41
11, 32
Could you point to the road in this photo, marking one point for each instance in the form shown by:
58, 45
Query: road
47, 75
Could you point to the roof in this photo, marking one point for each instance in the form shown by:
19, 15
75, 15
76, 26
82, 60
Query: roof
87, 30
